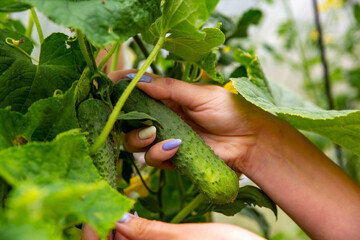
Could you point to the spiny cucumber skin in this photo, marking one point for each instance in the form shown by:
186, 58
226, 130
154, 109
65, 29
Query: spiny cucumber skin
92, 117
194, 159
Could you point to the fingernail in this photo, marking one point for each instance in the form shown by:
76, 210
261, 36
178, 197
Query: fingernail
171, 144
147, 132
136, 214
126, 217
143, 78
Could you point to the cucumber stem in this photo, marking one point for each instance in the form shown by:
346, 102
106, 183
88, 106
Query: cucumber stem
115, 59
108, 55
120, 103
85, 53
37, 24
200, 198
186, 72
29, 27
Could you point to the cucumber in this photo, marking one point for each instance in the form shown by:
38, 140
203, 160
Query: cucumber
92, 116
194, 159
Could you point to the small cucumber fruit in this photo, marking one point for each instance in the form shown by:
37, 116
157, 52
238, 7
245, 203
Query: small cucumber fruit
194, 159
92, 116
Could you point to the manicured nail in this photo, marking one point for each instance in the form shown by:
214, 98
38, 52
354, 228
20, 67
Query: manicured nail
171, 144
144, 78
147, 132
126, 217
136, 214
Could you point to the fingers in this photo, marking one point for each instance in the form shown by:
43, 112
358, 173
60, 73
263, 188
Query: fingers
157, 155
137, 140
183, 93
140, 228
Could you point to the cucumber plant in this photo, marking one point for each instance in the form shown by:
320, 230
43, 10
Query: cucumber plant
62, 118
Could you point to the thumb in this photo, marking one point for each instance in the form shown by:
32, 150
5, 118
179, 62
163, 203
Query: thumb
132, 227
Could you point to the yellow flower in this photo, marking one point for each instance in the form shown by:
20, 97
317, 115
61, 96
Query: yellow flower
229, 86
227, 49
314, 34
330, 4
137, 186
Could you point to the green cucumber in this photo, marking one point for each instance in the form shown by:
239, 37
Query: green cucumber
194, 159
92, 116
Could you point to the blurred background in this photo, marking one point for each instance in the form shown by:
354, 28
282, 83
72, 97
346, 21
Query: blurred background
285, 37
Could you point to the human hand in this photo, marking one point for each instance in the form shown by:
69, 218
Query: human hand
137, 228
226, 122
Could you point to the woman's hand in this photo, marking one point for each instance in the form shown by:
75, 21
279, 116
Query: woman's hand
226, 122
137, 228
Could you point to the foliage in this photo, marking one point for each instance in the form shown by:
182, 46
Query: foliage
46, 159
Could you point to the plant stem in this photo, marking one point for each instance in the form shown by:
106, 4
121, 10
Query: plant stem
141, 178
186, 72
306, 69
115, 58
108, 56
159, 193
37, 24
143, 49
85, 52
327, 81
29, 27
120, 103
189, 208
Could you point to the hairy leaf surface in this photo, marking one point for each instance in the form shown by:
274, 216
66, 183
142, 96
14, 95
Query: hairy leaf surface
22, 83
103, 22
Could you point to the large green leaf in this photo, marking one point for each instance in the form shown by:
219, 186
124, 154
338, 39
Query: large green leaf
22, 83
64, 158
184, 20
56, 173
341, 127
193, 50
103, 22
181, 18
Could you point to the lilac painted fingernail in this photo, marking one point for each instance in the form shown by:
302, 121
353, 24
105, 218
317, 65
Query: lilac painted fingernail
171, 144
136, 214
125, 218
144, 78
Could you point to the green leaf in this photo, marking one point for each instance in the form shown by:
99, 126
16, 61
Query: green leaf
64, 158
103, 22
340, 127
134, 115
250, 17
208, 64
53, 115
247, 196
102, 209
13, 25
22, 83
13, 6
45, 119
26, 230
181, 18
193, 50
259, 218
15, 128
35, 202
